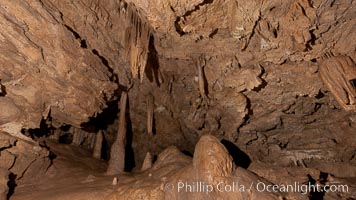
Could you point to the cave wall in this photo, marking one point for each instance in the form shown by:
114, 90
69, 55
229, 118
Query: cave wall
45, 72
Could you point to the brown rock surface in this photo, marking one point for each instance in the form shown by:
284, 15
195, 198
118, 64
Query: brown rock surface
274, 78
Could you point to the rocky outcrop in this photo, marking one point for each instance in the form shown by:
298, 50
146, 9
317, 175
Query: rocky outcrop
25, 161
175, 176
81, 51
45, 70
4, 178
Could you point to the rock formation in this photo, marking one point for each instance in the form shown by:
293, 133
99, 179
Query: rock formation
275, 81
177, 177
4, 179
98, 145
147, 163
117, 153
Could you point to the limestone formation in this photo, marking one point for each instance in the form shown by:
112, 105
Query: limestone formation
4, 178
211, 165
273, 81
339, 75
117, 153
150, 112
98, 145
82, 138
147, 163
23, 159
211, 159
201, 76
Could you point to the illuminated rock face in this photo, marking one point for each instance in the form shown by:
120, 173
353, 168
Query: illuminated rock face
45, 69
64, 60
276, 78
339, 75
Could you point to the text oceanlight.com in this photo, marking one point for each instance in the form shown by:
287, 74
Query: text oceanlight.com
202, 187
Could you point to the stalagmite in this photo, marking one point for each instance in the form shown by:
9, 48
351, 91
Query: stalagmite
150, 106
147, 163
114, 181
98, 145
117, 154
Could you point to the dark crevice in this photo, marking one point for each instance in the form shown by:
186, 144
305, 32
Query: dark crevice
7, 147
76, 35
248, 116
105, 62
320, 95
178, 28
105, 118
129, 152
353, 83
105, 149
313, 37
252, 34
240, 158
83, 43
2, 90
11, 184
275, 33
264, 82
314, 194
187, 153
311, 42
197, 7
178, 19
303, 10
152, 67
42, 131
212, 34
66, 138
154, 131
353, 155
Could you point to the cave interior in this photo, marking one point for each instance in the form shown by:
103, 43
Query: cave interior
199, 99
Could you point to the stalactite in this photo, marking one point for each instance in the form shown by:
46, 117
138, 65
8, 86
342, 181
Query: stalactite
137, 37
98, 145
339, 75
202, 86
117, 154
79, 136
147, 163
56, 134
76, 137
150, 108
91, 139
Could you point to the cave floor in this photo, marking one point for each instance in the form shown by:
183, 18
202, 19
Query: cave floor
73, 175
